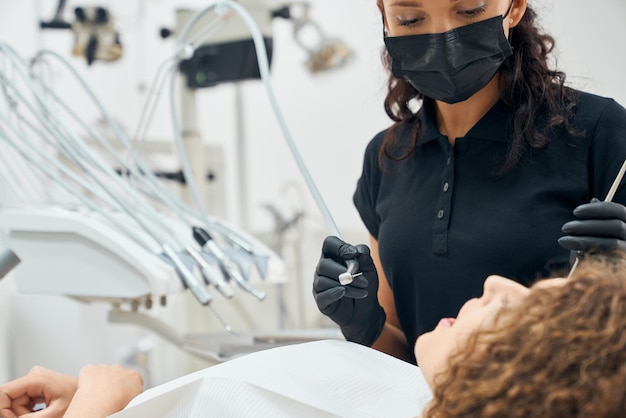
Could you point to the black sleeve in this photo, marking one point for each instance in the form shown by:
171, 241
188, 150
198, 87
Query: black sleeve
609, 151
368, 185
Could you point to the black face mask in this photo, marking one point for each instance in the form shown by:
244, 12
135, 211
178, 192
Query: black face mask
453, 65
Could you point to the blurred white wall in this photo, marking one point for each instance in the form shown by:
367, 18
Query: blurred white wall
587, 43
332, 117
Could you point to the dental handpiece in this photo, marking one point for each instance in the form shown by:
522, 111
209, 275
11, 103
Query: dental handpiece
200, 293
210, 278
346, 277
608, 198
205, 240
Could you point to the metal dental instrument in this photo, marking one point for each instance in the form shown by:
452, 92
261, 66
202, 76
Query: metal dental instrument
8, 261
616, 183
221, 320
200, 293
206, 272
205, 240
608, 198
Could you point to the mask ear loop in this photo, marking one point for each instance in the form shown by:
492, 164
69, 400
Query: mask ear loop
382, 17
508, 11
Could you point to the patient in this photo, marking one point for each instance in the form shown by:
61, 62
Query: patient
557, 349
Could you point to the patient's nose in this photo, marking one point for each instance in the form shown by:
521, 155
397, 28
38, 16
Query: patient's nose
498, 286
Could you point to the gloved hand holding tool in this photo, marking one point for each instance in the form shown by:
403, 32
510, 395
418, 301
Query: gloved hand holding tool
600, 225
353, 307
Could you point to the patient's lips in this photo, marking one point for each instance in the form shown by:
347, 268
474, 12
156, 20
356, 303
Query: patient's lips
446, 322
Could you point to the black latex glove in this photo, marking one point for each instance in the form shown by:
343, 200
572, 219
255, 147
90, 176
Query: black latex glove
354, 307
600, 226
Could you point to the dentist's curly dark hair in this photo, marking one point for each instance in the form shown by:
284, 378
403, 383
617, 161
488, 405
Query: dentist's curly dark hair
527, 82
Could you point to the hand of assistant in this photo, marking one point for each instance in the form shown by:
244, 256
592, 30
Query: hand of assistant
353, 307
600, 226
39, 386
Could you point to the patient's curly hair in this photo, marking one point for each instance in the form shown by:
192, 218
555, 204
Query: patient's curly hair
562, 353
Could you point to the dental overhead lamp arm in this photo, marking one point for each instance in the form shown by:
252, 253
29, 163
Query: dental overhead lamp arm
324, 53
95, 35
57, 21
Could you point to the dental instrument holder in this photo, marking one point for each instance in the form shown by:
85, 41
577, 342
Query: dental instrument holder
8, 261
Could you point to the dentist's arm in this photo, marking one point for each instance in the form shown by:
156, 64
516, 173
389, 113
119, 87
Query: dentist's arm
391, 340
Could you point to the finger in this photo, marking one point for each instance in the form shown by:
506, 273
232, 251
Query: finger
21, 411
358, 282
599, 228
5, 401
19, 387
590, 243
354, 290
54, 409
49, 412
23, 405
323, 283
601, 210
33, 384
327, 298
365, 259
7, 413
355, 293
334, 247
331, 270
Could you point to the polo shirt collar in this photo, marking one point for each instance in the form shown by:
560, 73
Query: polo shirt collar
496, 125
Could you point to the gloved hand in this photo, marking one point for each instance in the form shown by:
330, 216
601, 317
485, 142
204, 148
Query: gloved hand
600, 226
354, 307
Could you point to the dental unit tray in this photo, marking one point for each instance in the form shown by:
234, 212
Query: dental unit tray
76, 254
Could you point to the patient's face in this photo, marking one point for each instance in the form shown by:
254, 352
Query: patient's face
433, 349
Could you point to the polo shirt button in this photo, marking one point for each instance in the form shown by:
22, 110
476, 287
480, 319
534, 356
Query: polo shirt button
440, 214
446, 186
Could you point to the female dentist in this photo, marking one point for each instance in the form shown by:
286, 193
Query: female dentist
492, 166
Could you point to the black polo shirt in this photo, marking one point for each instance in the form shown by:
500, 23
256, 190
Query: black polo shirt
445, 221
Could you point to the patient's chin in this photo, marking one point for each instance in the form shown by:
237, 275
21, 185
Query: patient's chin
426, 356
